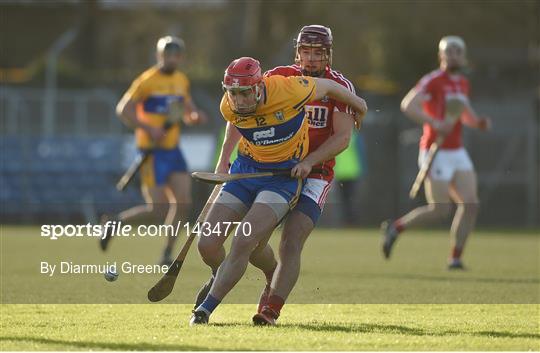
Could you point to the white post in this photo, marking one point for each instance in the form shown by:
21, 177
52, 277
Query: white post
49, 101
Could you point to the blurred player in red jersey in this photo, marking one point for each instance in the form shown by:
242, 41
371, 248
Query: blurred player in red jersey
330, 126
452, 176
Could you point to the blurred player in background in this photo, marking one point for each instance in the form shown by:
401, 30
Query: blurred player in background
330, 126
266, 116
452, 176
166, 185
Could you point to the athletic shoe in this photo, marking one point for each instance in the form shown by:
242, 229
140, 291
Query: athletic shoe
456, 264
267, 317
198, 318
263, 300
104, 240
203, 292
390, 235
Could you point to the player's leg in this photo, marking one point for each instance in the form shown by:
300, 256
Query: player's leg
211, 246
261, 220
179, 188
438, 207
464, 192
436, 188
296, 230
297, 227
264, 259
263, 256
154, 209
268, 208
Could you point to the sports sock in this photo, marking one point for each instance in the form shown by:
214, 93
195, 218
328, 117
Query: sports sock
275, 302
399, 226
209, 304
456, 253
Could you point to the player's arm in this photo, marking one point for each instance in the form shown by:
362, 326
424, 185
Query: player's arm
326, 87
343, 125
232, 136
471, 119
192, 115
126, 109
411, 106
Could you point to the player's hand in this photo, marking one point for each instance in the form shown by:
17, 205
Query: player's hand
442, 127
156, 133
203, 118
484, 124
359, 113
197, 118
222, 167
301, 170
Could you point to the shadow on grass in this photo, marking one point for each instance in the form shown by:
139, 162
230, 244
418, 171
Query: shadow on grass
452, 278
379, 328
103, 345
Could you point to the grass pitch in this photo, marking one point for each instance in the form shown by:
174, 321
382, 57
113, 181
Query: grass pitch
348, 297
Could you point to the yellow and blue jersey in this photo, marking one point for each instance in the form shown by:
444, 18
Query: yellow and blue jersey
154, 90
276, 135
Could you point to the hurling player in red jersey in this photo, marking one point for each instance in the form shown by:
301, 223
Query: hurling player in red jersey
452, 176
330, 126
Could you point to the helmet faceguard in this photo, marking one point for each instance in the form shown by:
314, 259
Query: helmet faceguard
314, 37
170, 44
452, 53
447, 41
241, 84
169, 51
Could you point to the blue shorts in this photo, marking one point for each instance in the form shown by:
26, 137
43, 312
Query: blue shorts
309, 207
160, 164
248, 189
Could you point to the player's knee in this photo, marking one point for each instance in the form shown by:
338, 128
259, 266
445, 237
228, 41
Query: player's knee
243, 246
208, 248
441, 210
159, 210
183, 200
470, 207
290, 246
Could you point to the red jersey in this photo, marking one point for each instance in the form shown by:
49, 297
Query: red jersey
319, 114
436, 86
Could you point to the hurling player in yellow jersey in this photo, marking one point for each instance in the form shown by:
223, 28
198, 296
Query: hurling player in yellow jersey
267, 117
146, 106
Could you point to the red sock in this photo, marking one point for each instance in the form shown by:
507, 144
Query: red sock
269, 275
275, 302
456, 253
399, 226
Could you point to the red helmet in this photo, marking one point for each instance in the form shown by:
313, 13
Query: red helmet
315, 36
243, 74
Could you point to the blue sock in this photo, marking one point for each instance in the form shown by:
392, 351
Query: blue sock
209, 304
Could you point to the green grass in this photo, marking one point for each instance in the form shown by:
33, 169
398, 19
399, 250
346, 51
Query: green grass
348, 297
303, 327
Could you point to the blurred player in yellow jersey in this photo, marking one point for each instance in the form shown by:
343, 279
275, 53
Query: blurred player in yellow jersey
147, 106
266, 116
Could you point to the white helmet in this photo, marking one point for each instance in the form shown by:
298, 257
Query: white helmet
446, 41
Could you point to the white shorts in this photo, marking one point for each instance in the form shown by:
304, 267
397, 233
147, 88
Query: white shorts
317, 190
446, 163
